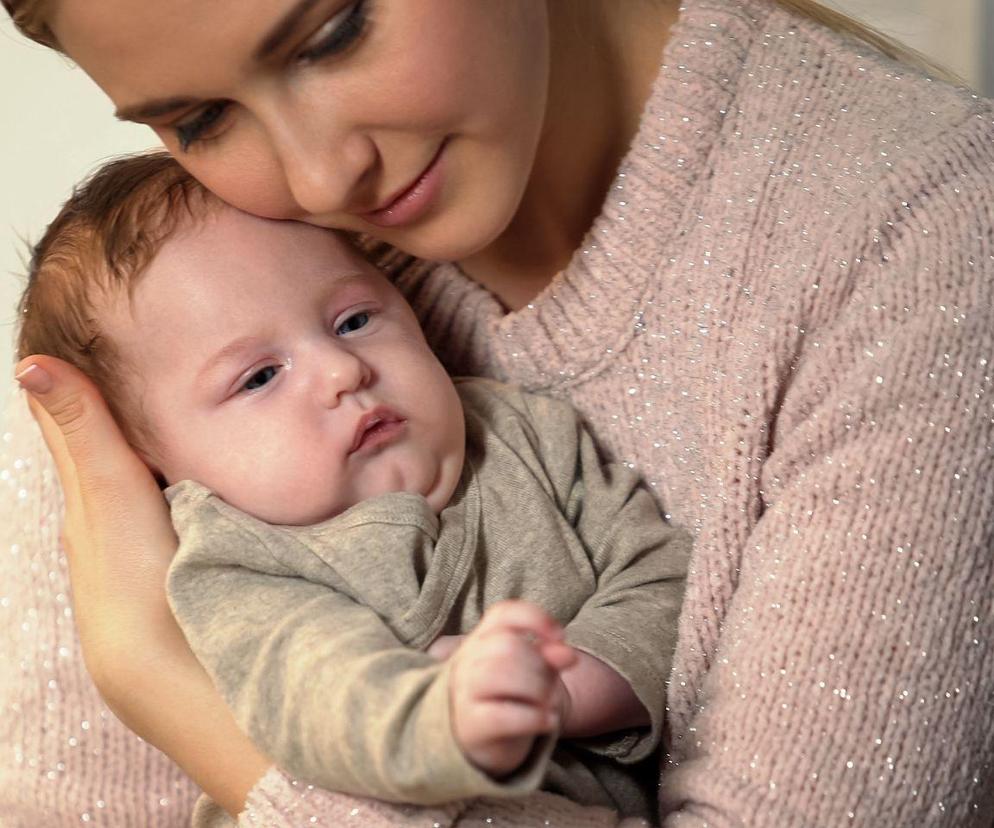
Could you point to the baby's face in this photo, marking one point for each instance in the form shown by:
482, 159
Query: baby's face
286, 374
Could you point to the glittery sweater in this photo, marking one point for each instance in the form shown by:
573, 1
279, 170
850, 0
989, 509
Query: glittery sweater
784, 317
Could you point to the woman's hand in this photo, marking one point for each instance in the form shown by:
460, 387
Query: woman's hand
116, 531
119, 542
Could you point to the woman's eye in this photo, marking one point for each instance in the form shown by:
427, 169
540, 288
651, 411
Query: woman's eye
260, 378
200, 125
353, 323
337, 34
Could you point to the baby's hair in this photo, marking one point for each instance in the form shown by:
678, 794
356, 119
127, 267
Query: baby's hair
96, 250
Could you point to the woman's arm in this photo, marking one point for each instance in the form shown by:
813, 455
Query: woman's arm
119, 543
176, 708
280, 802
852, 680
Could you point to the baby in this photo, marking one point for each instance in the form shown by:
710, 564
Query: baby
405, 586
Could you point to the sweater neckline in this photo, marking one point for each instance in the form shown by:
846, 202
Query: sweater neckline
591, 309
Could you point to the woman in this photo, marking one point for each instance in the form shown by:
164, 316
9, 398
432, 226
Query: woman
764, 274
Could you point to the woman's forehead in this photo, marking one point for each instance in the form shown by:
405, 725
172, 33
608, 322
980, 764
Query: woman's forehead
137, 50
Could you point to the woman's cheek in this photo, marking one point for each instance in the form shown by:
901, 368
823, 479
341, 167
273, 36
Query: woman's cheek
239, 168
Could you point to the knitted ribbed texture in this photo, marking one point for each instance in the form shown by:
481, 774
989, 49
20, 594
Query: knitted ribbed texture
785, 318
64, 759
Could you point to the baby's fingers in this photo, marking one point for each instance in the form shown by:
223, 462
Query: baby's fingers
514, 681
558, 655
495, 721
523, 617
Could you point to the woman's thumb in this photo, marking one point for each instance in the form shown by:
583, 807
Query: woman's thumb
63, 404
75, 421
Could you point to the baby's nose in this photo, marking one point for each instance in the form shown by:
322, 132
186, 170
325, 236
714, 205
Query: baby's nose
344, 373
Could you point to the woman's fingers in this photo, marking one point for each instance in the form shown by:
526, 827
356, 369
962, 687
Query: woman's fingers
117, 531
112, 501
86, 443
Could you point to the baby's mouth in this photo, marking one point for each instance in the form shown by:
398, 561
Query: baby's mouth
375, 428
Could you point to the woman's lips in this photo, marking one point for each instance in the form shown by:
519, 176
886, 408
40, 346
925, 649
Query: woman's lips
376, 428
415, 200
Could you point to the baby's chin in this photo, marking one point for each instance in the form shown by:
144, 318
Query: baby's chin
436, 482
435, 479
438, 492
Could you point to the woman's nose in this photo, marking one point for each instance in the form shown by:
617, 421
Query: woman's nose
326, 172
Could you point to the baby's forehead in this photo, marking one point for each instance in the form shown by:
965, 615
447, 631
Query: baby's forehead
226, 234
229, 262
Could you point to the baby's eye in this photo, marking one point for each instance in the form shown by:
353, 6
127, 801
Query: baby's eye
353, 323
260, 378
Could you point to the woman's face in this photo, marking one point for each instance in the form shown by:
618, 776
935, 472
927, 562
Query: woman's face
415, 121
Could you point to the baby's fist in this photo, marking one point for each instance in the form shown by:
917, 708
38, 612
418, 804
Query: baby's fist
505, 685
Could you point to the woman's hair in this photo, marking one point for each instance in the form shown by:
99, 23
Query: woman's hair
30, 17
95, 251
843, 23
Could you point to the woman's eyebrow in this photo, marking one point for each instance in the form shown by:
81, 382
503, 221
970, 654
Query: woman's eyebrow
284, 28
149, 110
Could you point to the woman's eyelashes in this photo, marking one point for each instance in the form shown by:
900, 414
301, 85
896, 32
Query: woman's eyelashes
199, 126
338, 34
333, 37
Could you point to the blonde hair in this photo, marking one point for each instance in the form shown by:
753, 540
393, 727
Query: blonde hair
844, 24
30, 17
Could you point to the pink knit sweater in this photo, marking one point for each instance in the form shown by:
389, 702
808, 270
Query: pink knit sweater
784, 317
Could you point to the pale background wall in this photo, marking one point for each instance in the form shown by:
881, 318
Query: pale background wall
57, 126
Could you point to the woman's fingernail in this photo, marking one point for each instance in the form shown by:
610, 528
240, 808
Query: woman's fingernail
35, 379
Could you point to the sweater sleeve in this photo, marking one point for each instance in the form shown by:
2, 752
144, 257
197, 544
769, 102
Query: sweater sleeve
278, 801
318, 681
851, 684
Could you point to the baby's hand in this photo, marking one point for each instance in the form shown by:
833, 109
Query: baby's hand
505, 686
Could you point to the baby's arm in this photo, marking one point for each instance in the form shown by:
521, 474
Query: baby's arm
317, 680
600, 700
638, 567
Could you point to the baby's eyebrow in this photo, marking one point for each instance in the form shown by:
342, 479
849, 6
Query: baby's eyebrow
230, 351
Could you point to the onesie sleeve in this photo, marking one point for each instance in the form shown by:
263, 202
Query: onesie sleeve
639, 562
318, 681
852, 680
